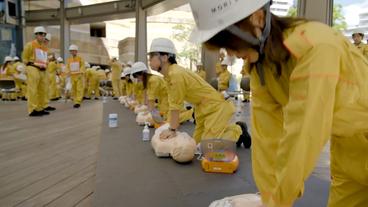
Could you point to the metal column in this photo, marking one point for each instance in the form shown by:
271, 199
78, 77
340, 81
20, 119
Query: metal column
64, 30
209, 60
320, 10
140, 33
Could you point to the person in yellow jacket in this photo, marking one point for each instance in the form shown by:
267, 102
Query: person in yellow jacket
47, 97
212, 111
138, 91
116, 69
224, 76
61, 74
201, 71
93, 82
75, 68
20, 78
156, 89
35, 57
358, 37
244, 72
307, 88
123, 81
54, 93
7, 72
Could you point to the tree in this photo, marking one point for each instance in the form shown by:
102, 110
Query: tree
339, 22
292, 12
190, 52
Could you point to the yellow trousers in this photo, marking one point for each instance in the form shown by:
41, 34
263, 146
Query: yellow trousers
116, 87
213, 121
93, 86
53, 89
123, 87
349, 171
36, 89
77, 88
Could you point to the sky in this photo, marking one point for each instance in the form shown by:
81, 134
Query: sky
351, 10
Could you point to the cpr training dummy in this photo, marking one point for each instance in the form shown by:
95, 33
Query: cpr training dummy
180, 147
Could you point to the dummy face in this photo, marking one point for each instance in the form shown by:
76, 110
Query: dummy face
73, 52
357, 38
155, 62
40, 36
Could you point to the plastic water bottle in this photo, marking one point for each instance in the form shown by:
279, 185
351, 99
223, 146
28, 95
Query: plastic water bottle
104, 99
113, 120
146, 133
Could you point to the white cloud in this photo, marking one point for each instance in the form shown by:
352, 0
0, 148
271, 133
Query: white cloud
351, 14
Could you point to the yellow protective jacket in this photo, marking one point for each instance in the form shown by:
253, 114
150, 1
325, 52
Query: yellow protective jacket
138, 91
157, 89
223, 80
52, 68
35, 53
75, 66
116, 70
363, 48
184, 85
322, 91
129, 88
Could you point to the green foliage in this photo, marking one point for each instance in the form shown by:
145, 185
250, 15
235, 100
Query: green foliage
190, 51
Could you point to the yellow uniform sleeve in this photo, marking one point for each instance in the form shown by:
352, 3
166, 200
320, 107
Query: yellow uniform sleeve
152, 89
27, 55
82, 66
176, 91
223, 82
365, 51
51, 68
307, 121
267, 130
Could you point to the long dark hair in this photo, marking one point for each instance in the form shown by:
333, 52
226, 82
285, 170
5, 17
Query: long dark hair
275, 51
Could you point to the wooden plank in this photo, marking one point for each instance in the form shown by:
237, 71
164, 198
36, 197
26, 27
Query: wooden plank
18, 181
86, 202
54, 192
73, 197
42, 185
44, 156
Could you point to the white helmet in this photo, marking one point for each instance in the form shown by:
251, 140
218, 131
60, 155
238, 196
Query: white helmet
138, 67
73, 47
211, 16
39, 30
8, 59
127, 71
59, 59
162, 45
48, 37
87, 65
130, 63
107, 70
16, 58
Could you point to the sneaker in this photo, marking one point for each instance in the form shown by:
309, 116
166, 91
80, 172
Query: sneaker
49, 108
96, 98
115, 98
86, 98
76, 106
35, 113
43, 112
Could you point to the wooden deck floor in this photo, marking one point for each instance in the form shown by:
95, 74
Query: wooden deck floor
50, 160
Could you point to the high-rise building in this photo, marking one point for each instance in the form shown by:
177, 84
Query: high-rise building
281, 7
